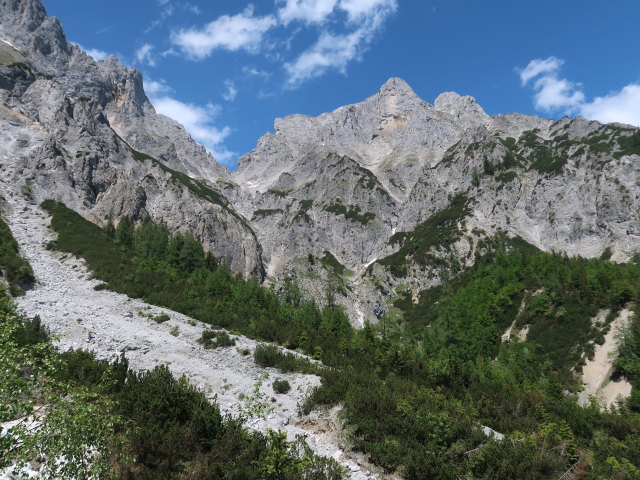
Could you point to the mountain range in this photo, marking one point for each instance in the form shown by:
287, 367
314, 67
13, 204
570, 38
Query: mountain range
354, 189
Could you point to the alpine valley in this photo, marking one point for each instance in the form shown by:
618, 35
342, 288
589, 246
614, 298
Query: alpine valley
457, 290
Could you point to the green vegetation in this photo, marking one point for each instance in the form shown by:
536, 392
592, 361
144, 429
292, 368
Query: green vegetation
331, 263
351, 212
161, 318
278, 193
281, 386
272, 356
173, 272
628, 362
561, 296
266, 212
214, 339
399, 186
506, 177
439, 230
146, 425
367, 179
302, 214
14, 269
629, 145
508, 142
545, 161
415, 399
414, 402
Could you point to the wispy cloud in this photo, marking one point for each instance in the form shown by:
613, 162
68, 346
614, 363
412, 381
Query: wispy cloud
555, 94
242, 31
107, 28
231, 92
155, 88
539, 66
143, 55
365, 10
348, 30
336, 51
199, 121
330, 51
307, 11
255, 72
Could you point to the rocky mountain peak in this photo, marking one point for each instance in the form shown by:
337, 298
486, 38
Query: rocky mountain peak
27, 15
459, 106
396, 98
395, 86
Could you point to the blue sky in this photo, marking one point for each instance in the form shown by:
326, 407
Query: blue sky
226, 69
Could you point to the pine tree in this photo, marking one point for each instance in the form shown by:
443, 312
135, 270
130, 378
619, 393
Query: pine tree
124, 232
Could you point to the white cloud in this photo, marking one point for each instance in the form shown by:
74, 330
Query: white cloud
307, 11
329, 52
357, 10
539, 66
195, 9
153, 88
232, 91
241, 31
555, 94
349, 27
198, 120
255, 72
143, 55
96, 54
622, 106
337, 51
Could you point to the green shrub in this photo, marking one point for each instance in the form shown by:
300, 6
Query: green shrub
214, 339
351, 212
161, 318
16, 270
281, 386
272, 356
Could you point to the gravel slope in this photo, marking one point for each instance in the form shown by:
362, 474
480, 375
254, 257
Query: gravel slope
109, 324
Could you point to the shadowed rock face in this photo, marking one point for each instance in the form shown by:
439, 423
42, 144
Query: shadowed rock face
75, 130
322, 199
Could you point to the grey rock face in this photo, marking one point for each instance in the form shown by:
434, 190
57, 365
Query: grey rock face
346, 181
322, 199
75, 130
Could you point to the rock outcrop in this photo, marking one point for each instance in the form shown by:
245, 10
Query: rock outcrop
84, 132
350, 181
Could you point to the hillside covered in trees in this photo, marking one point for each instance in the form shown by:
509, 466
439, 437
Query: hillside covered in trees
418, 391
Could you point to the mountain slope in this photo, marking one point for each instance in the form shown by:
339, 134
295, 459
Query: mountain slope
348, 203
75, 130
350, 181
